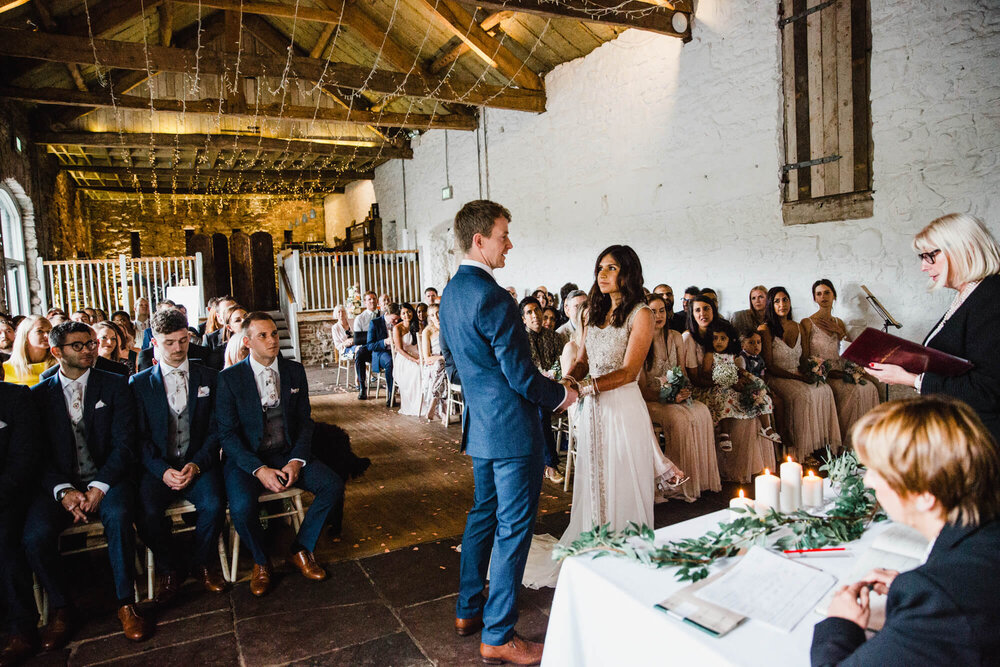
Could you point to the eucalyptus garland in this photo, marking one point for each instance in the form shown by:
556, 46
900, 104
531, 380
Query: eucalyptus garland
854, 509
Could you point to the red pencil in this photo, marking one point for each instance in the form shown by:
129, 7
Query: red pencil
809, 551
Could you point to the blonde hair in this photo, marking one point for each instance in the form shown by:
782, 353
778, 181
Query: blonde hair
235, 351
19, 351
971, 251
936, 445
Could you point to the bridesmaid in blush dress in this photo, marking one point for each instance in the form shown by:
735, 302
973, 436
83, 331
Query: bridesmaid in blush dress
809, 408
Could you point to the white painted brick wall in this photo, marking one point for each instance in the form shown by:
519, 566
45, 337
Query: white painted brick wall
675, 149
342, 209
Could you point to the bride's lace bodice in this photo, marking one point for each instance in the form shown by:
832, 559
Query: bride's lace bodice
606, 347
786, 358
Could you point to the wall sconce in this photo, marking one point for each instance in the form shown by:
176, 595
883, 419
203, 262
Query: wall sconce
447, 192
304, 218
312, 214
679, 22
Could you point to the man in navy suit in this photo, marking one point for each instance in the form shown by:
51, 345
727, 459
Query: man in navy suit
87, 425
179, 450
266, 432
18, 461
380, 344
483, 340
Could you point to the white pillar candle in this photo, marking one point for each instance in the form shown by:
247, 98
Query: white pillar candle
791, 486
812, 490
740, 502
767, 488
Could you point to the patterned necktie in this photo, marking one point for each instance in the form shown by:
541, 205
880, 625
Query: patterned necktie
270, 397
178, 396
75, 402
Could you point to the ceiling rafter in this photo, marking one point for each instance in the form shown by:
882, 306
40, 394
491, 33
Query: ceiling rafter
300, 12
452, 54
284, 175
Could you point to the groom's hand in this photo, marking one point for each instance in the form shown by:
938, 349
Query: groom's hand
571, 396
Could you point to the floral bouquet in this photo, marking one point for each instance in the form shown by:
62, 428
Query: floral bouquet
854, 374
752, 395
556, 371
354, 299
672, 383
725, 375
816, 370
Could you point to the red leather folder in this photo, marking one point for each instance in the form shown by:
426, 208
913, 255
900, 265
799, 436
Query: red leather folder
879, 347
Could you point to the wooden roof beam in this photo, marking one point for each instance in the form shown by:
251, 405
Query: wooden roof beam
42, 7
134, 56
620, 13
302, 13
167, 23
203, 192
266, 175
450, 56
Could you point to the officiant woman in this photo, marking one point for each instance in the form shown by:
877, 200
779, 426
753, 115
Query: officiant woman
934, 467
958, 252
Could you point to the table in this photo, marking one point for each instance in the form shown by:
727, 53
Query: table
603, 613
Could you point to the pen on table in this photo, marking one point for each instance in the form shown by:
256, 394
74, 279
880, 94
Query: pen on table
817, 553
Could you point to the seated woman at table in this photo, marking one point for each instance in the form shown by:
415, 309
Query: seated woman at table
934, 467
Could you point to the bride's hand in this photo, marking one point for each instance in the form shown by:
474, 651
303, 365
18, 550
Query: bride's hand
683, 395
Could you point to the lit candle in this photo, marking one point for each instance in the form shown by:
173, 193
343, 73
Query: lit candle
767, 489
791, 486
812, 490
740, 502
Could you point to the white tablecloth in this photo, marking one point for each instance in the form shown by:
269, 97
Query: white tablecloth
603, 614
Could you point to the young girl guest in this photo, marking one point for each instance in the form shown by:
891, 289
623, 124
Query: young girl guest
435, 377
747, 321
824, 332
30, 355
406, 361
686, 424
810, 409
751, 452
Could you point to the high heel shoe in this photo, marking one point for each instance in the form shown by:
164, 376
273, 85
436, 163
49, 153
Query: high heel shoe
674, 482
770, 434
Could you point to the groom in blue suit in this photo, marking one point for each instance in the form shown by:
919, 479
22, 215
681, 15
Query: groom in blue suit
485, 345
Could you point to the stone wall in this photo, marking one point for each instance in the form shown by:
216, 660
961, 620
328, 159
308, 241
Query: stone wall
161, 229
676, 149
316, 338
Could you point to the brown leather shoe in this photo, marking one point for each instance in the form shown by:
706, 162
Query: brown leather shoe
517, 652
468, 626
135, 626
260, 579
211, 580
170, 583
17, 650
62, 625
307, 565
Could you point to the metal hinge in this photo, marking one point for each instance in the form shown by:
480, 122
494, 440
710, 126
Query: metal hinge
812, 10
810, 163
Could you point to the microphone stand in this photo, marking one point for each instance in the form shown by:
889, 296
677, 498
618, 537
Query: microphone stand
887, 319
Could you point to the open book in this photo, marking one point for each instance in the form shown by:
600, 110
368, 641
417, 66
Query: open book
899, 548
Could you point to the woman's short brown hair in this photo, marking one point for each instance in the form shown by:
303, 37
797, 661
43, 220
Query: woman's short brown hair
936, 445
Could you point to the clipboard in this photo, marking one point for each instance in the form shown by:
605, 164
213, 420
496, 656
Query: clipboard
711, 619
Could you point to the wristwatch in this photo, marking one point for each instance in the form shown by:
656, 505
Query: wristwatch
62, 494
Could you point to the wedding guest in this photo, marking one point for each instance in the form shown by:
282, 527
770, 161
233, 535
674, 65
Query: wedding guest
147, 335
236, 351
265, 429
421, 309
211, 322
750, 319
431, 296
130, 353
219, 337
379, 345
686, 424
542, 297
713, 295
564, 293
140, 318
80, 316
343, 339
56, 313
825, 332
362, 355
179, 451
87, 422
193, 331
750, 452
99, 315
572, 302
406, 368
383, 303
810, 410
957, 251
30, 354
233, 324
935, 468
19, 456
110, 344
679, 322
7, 333
435, 378
549, 317
512, 291
751, 345
545, 346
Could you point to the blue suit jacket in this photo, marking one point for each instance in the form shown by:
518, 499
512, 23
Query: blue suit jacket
377, 333
18, 444
153, 419
483, 340
945, 612
110, 430
241, 419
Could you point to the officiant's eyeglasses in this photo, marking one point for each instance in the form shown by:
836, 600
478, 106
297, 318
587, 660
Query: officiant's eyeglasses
79, 345
928, 256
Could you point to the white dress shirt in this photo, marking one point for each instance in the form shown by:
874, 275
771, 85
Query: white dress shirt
171, 380
362, 321
259, 371
67, 387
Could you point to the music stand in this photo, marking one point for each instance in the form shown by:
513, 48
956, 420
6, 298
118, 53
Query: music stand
887, 319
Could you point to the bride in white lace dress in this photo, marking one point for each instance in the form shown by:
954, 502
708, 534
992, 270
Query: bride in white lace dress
619, 464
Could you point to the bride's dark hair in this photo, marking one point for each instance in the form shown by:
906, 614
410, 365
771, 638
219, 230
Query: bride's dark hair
629, 284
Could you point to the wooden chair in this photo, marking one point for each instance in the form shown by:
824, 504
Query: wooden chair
176, 511
570, 451
292, 499
345, 362
455, 398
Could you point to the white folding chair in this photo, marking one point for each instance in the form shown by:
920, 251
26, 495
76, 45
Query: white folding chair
292, 499
345, 362
175, 512
455, 398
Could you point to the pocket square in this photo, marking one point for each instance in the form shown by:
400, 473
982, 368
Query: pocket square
100, 404
3, 424
295, 390
204, 391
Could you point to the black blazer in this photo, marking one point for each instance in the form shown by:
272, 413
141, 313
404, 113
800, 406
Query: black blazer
377, 333
101, 364
945, 612
153, 419
18, 444
110, 430
197, 353
241, 419
973, 333
213, 339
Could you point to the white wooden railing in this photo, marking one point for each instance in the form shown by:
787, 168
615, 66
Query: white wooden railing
320, 280
115, 284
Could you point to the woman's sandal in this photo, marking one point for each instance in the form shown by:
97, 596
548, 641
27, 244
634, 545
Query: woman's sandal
673, 482
770, 434
725, 443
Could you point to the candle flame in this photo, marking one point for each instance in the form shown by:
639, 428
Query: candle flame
812, 474
767, 471
741, 493
788, 458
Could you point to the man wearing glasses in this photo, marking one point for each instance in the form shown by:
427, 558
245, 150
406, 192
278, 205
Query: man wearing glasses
87, 440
